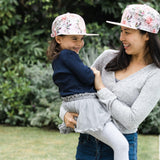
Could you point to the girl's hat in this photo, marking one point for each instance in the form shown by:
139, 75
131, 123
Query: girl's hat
140, 16
69, 24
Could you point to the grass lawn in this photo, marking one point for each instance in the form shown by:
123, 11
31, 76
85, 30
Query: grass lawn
26, 143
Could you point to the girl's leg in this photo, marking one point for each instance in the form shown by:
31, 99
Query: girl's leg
111, 136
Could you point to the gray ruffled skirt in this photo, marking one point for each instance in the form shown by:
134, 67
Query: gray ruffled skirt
92, 114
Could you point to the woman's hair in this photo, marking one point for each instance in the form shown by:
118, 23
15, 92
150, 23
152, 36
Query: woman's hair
53, 50
122, 60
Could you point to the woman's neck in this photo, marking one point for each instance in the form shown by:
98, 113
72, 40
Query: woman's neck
141, 60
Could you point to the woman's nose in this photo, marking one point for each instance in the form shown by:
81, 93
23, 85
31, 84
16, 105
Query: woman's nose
121, 37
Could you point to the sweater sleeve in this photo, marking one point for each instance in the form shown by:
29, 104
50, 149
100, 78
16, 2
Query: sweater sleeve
76, 66
132, 116
104, 58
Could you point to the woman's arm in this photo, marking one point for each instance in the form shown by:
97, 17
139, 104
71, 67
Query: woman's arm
104, 58
130, 116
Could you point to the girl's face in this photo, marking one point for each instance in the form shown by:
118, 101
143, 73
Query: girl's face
71, 42
134, 43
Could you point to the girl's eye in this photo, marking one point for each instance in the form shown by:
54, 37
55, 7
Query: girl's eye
77, 39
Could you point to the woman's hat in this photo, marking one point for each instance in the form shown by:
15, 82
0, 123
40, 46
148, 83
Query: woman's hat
140, 16
69, 24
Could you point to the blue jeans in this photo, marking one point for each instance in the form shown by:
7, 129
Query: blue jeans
90, 148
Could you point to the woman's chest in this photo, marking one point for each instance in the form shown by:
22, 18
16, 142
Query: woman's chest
128, 89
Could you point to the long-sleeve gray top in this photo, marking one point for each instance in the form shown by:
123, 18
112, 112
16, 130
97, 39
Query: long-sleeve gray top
130, 100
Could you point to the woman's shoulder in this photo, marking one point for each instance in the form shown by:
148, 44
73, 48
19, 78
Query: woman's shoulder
154, 69
109, 54
154, 73
104, 58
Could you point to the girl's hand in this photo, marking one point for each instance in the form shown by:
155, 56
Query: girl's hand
98, 80
69, 119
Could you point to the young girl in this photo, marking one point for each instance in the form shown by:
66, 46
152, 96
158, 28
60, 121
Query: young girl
76, 84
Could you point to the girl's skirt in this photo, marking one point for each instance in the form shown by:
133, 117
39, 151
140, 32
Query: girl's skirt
92, 113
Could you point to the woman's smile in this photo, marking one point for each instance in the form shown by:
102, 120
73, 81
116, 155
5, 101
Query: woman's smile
126, 45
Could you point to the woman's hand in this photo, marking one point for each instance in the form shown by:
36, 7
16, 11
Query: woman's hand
69, 119
98, 80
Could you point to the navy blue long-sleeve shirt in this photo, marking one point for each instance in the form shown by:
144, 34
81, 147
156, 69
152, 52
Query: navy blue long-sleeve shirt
71, 75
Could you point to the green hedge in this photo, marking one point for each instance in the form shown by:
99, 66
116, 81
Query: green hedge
14, 88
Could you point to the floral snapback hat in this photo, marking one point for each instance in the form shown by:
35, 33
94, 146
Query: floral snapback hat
69, 24
140, 16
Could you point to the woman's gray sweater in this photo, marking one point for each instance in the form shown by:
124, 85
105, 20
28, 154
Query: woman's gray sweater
129, 101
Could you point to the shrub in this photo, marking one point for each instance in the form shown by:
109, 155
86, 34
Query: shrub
14, 89
29, 97
151, 125
44, 96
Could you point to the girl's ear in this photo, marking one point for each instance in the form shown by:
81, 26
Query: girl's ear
58, 39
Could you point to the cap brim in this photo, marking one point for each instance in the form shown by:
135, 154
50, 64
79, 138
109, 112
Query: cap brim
87, 34
120, 24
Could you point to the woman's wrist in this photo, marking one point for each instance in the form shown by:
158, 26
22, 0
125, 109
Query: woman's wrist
100, 87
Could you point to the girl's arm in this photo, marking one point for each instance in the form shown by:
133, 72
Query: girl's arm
130, 116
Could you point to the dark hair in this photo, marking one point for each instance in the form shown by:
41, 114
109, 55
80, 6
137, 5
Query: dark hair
122, 60
53, 49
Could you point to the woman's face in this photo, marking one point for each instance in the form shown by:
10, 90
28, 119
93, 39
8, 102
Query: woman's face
133, 41
71, 42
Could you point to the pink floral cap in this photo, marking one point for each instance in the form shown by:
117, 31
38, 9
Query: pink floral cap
69, 24
140, 16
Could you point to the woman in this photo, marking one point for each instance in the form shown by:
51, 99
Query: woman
127, 81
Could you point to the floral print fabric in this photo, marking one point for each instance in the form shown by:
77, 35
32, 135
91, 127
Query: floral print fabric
69, 24
140, 16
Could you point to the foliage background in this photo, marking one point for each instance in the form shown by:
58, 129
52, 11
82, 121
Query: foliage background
27, 94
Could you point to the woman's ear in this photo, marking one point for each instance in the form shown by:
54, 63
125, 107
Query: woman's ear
147, 36
58, 39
